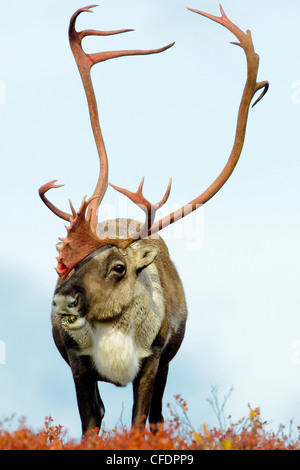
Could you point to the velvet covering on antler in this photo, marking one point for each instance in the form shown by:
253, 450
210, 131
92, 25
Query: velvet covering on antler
81, 241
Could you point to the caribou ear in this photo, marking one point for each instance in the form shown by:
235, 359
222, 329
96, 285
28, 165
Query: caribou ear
145, 255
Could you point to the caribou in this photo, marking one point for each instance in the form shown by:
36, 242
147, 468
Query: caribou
119, 309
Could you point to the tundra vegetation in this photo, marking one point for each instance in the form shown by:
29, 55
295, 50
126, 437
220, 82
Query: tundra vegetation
251, 432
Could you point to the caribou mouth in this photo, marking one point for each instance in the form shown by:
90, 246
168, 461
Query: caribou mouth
72, 322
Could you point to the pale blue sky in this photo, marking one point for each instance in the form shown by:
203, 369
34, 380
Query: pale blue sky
171, 114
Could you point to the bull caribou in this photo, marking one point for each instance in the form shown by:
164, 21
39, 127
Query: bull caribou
119, 308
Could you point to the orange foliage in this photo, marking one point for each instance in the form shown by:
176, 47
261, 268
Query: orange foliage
247, 434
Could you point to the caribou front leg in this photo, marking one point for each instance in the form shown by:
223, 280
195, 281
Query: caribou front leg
156, 418
143, 387
90, 405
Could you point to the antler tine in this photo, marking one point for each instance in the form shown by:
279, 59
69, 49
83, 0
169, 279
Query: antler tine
85, 62
43, 189
245, 43
63, 215
259, 86
149, 209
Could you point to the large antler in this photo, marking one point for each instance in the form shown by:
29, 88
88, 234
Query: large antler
85, 62
81, 239
251, 87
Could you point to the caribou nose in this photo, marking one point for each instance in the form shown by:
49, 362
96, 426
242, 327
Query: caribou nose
65, 305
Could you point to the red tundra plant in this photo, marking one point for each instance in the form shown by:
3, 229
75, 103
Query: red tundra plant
249, 433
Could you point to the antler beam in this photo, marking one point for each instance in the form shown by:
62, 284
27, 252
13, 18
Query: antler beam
251, 87
84, 63
81, 239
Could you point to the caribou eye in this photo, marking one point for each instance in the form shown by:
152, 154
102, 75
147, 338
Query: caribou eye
119, 269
